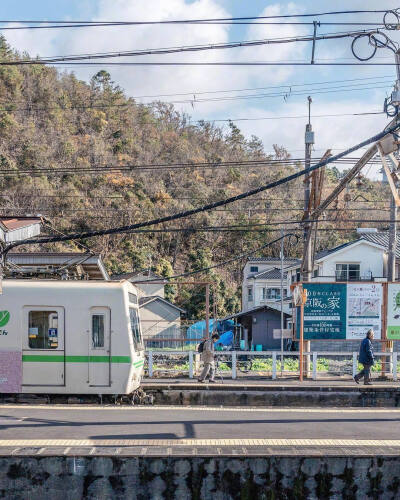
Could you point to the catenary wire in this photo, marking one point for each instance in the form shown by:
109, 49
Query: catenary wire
185, 21
183, 49
204, 208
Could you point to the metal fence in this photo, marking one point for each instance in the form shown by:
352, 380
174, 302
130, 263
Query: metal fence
171, 337
266, 364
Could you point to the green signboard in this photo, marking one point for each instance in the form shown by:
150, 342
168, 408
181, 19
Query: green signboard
342, 311
393, 312
324, 311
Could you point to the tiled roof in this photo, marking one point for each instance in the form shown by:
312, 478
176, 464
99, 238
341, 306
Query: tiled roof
270, 274
324, 253
151, 298
273, 259
381, 238
275, 307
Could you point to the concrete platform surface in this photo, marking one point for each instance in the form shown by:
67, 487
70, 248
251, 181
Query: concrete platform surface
163, 431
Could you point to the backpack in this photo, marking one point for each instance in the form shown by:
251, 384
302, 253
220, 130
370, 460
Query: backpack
200, 347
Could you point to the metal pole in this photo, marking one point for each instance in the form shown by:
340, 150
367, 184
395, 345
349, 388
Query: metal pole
301, 340
392, 240
207, 310
282, 319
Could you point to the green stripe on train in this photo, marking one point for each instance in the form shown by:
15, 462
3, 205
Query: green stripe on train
60, 358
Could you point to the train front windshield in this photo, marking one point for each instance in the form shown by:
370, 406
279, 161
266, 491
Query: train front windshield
135, 329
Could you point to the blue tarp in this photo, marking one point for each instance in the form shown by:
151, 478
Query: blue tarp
198, 330
225, 339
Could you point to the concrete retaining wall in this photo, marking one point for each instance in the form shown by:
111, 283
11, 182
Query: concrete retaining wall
199, 478
294, 397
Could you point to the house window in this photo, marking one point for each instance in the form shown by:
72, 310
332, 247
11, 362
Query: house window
298, 274
264, 293
275, 293
254, 269
43, 329
250, 294
315, 273
347, 272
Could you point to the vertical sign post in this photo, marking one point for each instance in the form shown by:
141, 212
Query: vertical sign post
301, 339
299, 299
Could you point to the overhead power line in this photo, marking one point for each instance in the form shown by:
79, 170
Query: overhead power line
229, 261
204, 208
202, 20
182, 49
105, 169
230, 63
51, 24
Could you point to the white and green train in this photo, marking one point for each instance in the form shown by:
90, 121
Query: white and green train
70, 337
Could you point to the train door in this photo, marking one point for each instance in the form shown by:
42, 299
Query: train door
43, 360
100, 347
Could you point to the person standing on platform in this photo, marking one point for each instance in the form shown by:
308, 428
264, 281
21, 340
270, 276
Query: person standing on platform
207, 356
366, 358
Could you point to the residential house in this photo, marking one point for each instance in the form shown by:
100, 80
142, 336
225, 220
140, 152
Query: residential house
160, 318
362, 259
262, 281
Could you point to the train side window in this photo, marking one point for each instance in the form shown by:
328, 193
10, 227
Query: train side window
98, 330
135, 328
43, 329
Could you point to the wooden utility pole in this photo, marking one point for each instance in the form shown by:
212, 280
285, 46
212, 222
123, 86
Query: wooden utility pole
307, 243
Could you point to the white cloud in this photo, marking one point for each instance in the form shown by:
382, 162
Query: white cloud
332, 132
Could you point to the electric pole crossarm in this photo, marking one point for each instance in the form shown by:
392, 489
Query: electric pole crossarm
367, 156
388, 173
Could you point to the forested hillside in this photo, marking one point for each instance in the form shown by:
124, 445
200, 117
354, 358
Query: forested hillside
61, 139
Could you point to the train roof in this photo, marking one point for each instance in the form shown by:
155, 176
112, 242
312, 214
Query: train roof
67, 284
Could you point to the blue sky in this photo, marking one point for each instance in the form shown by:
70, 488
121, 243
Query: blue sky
336, 132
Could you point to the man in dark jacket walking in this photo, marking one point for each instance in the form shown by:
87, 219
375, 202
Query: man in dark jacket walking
366, 358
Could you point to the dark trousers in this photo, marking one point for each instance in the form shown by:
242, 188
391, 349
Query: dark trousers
365, 372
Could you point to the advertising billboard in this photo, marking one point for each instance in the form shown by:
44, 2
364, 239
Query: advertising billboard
341, 311
364, 310
393, 312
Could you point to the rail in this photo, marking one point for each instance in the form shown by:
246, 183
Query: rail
234, 364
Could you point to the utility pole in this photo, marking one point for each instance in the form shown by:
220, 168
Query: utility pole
307, 244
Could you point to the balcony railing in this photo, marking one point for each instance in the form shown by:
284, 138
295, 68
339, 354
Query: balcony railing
352, 276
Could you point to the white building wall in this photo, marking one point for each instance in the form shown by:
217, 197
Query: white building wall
370, 258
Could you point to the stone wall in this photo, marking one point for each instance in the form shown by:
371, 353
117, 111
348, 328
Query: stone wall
199, 478
347, 345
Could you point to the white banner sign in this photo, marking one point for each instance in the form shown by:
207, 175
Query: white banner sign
287, 333
364, 308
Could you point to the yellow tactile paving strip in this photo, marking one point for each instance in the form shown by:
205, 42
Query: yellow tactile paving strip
198, 408
200, 442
